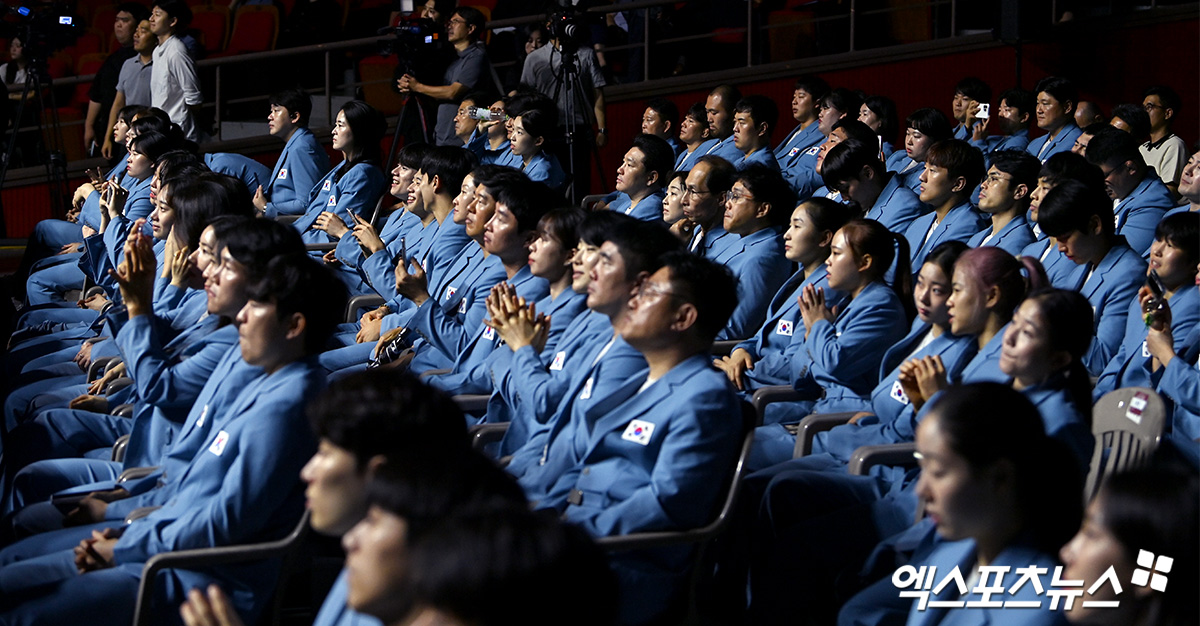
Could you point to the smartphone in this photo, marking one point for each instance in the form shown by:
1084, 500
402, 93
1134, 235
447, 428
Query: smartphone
985, 111
403, 251
484, 114
1155, 284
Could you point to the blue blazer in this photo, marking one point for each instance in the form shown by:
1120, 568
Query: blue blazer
89, 214
798, 141
685, 161
1062, 143
529, 386
758, 262
1016, 141
762, 156
1111, 287
1139, 213
710, 244
447, 335
1130, 367
774, 345
888, 400
604, 368
543, 167
726, 149
960, 223
649, 209
897, 206
444, 287
1064, 420
296, 172
946, 555
1062, 272
252, 173
334, 611
241, 487
801, 173
469, 374
399, 223
842, 357
909, 170
1013, 238
355, 192
1179, 382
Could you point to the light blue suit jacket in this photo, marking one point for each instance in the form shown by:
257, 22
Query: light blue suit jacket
250, 172
1139, 213
1130, 367
897, 206
296, 171
685, 161
960, 223
1013, 238
1062, 143
1111, 287
355, 192
758, 263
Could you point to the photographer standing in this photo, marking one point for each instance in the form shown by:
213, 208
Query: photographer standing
466, 73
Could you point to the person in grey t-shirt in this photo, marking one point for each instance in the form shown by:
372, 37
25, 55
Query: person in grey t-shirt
133, 84
466, 73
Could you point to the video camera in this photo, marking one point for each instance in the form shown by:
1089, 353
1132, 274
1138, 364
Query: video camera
43, 30
566, 25
419, 44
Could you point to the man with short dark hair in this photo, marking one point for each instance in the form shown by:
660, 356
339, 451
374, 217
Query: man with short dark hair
969, 93
1054, 110
853, 169
1004, 195
1131, 118
468, 71
98, 127
1012, 120
301, 164
719, 109
661, 119
806, 102
952, 171
640, 179
174, 87
696, 136
1140, 199
754, 119
1165, 151
703, 204
1088, 113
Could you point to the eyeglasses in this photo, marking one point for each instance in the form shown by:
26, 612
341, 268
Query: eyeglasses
695, 192
1150, 106
730, 196
992, 179
457, 21
644, 290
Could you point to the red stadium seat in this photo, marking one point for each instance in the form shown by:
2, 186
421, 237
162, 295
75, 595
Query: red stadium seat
212, 22
255, 29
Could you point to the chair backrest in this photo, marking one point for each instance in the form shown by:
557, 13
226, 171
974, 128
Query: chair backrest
377, 75
255, 29
211, 21
1128, 426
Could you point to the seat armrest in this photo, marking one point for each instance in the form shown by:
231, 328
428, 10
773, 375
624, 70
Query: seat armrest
136, 472
365, 301
483, 434
770, 395
117, 385
118, 449
472, 402
288, 219
808, 428
724, 347
96, 369
866, 457
320, 247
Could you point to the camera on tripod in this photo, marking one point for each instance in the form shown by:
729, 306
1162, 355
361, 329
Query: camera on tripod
566, 25
419, 45
43, 30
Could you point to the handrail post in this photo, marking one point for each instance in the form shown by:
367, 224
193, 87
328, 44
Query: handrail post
646, 44
749, 34
953, 17
853, 22
328, 91
217, 114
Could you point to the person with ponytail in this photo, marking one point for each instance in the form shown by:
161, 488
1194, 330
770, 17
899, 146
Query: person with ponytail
838, 364
987, 287
1043, 352
1151, 509
998, 492
352, 187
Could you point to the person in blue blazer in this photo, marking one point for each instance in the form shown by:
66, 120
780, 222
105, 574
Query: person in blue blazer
1141, 199
1123, 521
1173, 256
853, 168
879, 114
1081, 222
640, 179
532, 129
1055, 113
952, 170
302, 161
1004, 197
1011, 118
1180, 379
718, 107
1063, 166
754, 119
923, 129
838, 364
355, 185
648, 453
704, 205
696, 136
764, 359
1017, 517
507, 236
807, 95
252, 173
404, 221
755, 210
240, 488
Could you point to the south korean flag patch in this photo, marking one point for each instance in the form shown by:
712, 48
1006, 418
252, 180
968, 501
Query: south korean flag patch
327, 186
283, 173
898, 394
785, 328
489, 334
559, 359
638, 431
332, 200
813, 150
218, 444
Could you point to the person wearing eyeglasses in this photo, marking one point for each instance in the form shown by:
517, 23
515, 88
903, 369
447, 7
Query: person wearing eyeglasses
466, 73
1140, 199
1004, 197
1165, 151
703, 193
